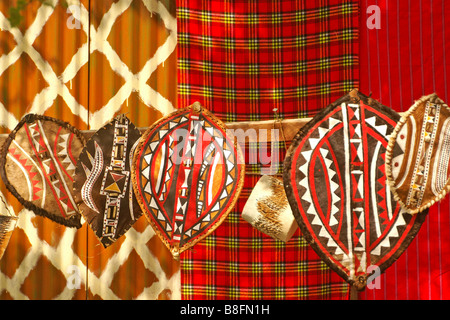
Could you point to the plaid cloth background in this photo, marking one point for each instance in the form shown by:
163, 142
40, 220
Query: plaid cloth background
239, 262
241, 59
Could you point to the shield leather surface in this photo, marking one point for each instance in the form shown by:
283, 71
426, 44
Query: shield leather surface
187, 175
103, 189
418, 155
267, 209
334, 176
37, 165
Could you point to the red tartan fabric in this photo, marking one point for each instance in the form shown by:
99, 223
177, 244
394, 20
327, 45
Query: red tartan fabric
239, 262
241, 59
406, 58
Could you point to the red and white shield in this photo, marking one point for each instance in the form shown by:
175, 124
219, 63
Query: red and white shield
335, 180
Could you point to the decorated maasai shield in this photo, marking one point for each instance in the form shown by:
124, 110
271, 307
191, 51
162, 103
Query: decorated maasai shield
37, 165
334, 176
418, 155
267, 209
187, 175
103, 189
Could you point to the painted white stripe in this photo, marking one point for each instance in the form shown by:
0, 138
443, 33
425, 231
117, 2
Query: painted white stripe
389, 201
373, 181
348, 190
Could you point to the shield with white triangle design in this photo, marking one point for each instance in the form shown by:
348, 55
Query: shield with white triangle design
187, 175
103, 189
37, 165
335, 181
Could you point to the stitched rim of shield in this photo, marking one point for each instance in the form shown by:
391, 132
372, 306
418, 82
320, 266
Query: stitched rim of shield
353, 96
389, 152
74, 221
176, 251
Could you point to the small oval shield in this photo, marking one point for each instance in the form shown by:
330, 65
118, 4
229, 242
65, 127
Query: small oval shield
37, 165
418, 155
103, 189
187, 175
334, 176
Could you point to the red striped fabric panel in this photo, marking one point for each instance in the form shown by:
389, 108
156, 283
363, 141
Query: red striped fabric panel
405, 59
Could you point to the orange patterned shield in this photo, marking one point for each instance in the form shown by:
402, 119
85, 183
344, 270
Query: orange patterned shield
187, 175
